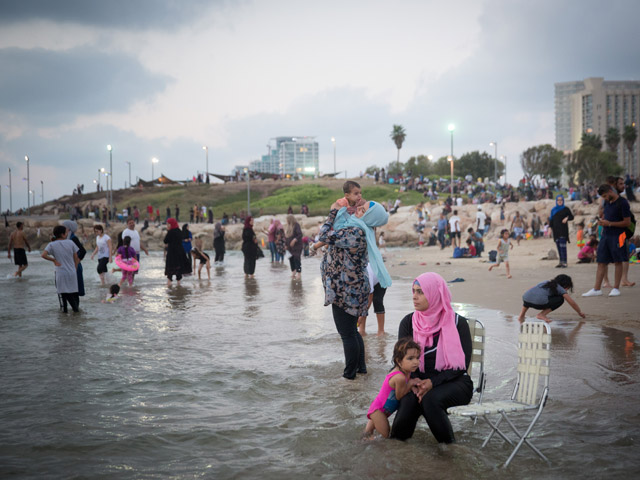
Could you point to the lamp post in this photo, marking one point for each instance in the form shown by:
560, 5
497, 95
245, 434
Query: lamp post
206, 149
495, 162
10, 193
451, 128
33, 197
333, 139
26, 158
129, 163
504, 159
42, 191
110, 178
246, 170
154, 160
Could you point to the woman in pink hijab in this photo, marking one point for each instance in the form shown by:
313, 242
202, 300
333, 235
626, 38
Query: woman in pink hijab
445, 340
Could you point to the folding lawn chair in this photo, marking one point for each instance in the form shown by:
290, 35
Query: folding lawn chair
534, 353
476, 328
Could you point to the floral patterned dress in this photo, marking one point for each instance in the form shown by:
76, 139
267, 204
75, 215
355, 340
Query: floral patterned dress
344, 267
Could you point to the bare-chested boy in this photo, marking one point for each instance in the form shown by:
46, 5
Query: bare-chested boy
17, 241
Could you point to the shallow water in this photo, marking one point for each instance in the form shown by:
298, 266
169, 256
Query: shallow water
235, 378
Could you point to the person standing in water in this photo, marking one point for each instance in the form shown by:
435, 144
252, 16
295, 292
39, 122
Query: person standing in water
64, 255
249, 248
176, 262
73, 227
218, 243
17, 241
103, 249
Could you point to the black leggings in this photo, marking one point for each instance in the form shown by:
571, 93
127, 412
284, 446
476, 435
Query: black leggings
553, 303
434, 409
72, 299
295, 263
219, 253
347, 326
178, 277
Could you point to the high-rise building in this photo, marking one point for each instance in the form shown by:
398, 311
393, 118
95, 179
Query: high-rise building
290, 156
593, 106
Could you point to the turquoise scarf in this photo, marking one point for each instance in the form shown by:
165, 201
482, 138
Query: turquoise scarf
376, 216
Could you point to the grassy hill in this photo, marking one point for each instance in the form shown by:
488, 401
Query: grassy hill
267, 197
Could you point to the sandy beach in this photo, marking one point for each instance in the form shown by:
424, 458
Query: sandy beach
493, 289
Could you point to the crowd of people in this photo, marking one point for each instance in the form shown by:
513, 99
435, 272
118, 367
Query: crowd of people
433, 351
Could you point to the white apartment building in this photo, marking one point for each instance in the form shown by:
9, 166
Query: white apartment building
290, 156
593, 106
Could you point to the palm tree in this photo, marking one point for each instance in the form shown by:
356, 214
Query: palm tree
591, 140
629, 136
612, 138
398, 135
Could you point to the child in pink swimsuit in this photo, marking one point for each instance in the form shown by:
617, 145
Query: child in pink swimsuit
406, 359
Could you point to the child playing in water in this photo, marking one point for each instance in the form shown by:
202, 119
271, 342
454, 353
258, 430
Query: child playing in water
503, 251
125, 252
548, 296
406, 359
198, 254
352, 196
114, 290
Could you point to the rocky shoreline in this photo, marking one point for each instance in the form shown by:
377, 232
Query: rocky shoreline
399, 231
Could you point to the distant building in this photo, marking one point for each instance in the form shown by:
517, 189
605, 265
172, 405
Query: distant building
289, 156
593, 106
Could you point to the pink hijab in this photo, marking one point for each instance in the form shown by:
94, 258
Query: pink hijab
439, 317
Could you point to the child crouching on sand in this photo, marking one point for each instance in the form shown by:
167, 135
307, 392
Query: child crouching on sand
406, 359
547, 297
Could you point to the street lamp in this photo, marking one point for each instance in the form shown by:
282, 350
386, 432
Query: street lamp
333, 139
129, 163
504, 159
26, 158
110, 178
450, 160
451, 128
495, 162
246, 170
206, 149
154, 160
10, 193
42, 186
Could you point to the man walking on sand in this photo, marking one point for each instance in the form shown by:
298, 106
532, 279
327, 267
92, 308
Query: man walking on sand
611, 249
17, 241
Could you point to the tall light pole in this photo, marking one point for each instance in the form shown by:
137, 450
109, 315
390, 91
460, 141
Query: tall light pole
504, 159
110, 178
129, 163
495, 162
10, 193
206, 149
154, 160
42, 187
451, 128
333, 139
26, 158
246, 170
33, 197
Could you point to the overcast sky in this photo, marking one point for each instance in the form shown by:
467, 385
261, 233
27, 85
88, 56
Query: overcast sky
163, 78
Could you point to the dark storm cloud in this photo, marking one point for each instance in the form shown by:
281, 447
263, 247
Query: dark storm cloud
106, 13
49, 86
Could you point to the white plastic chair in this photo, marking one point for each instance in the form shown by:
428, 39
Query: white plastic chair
534, 353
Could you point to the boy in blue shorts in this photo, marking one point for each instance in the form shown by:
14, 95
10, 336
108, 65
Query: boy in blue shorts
617, 216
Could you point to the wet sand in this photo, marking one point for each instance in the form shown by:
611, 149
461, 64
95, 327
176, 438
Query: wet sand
493, 290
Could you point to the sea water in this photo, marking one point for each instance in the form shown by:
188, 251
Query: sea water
241, 378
